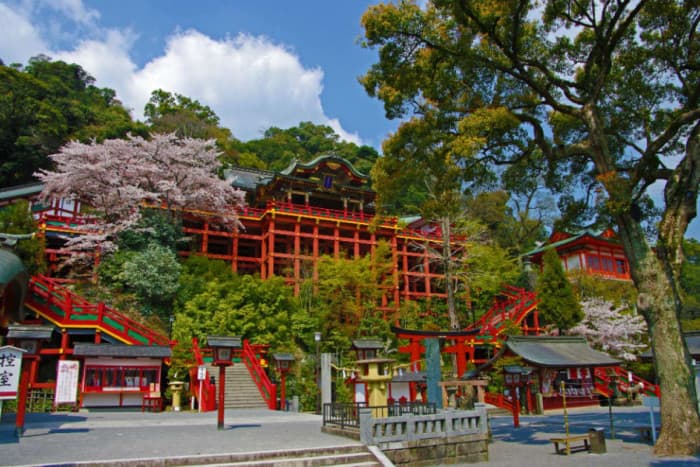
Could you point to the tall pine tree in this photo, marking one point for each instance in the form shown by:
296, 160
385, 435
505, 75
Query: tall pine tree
558, 304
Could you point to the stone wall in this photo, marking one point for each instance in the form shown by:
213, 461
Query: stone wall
447, 437
446, 450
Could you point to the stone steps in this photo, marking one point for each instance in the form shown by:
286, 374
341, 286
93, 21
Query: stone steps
358, 456
240, 391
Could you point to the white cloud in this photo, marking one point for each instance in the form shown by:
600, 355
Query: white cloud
250, 82
74, 10
19, 40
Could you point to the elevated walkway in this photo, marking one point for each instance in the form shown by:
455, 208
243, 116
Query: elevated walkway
65, 309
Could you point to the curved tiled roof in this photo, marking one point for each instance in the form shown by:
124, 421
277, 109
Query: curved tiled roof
558, 351
325, 158
11, 267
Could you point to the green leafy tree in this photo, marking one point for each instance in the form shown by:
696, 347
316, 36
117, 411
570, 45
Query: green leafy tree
557, 303
46, 104
16, 219
347, 294
150, 274
602, 96
690, 279
278, 148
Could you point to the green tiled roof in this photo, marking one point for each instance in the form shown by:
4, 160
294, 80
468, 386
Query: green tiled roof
11, 267
573, 238
558, 351
120, 350
329, 157
21, 191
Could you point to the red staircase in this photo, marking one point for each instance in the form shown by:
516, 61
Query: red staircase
607, 378
65, 309
249, 356
515, 307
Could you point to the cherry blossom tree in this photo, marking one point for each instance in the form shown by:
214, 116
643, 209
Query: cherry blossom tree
611, 329
118, 177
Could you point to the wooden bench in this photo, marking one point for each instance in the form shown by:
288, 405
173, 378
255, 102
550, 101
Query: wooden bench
567, 441
152, 402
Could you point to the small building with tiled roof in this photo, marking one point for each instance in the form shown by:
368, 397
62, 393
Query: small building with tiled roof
560, 359
596, 253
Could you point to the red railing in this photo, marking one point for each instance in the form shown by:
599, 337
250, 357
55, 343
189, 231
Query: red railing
207, 397
499, 400
67, 309
518, 304
267, 389
607, 378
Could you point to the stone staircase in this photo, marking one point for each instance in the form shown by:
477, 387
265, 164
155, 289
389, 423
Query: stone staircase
241, 391
346, 456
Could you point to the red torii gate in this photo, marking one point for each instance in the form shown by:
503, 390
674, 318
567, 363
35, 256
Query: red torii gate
463, 344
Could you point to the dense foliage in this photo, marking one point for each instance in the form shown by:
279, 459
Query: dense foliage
598, 100
558, 305
46, 104
16, 219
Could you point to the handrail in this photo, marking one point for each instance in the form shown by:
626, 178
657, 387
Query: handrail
499, 400
207, 402
267, 389
518, 304
602, 379
67, 308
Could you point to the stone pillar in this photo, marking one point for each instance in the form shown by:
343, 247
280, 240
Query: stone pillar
432, 363
326, 396
366, 425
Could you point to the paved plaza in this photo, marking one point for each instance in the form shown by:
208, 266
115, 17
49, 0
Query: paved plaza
64, 438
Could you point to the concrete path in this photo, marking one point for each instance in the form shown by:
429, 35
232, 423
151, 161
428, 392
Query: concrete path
106, 435
118, 435
530, 443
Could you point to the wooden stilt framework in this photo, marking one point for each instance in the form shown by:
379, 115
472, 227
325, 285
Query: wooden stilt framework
293, 218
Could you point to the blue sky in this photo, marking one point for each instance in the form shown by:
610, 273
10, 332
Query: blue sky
257, 64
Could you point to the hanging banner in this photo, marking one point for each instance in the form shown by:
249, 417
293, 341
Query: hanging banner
67, 382
10, 371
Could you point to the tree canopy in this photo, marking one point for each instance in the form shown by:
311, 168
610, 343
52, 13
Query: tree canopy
599, 100
116, 177
46, 104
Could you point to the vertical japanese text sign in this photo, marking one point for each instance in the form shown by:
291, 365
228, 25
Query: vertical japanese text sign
66, 382
10, 370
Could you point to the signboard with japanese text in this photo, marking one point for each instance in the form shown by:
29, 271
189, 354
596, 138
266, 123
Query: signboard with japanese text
67, 382
10, 371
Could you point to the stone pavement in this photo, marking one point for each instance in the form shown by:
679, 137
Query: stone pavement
530, 443
64, 438
125, 434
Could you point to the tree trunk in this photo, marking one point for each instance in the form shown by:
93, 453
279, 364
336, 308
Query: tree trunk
659, 304
449, 273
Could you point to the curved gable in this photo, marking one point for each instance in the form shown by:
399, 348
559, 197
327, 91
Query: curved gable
325, 166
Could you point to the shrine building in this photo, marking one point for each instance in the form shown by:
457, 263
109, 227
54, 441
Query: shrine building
593, 253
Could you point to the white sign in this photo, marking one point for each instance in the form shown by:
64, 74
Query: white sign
10, 371
201, 372
67, 382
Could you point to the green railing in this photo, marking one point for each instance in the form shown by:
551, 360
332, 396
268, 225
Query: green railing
67, 309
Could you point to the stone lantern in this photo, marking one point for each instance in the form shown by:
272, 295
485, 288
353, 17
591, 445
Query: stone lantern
222, 349
375, 372
283, 363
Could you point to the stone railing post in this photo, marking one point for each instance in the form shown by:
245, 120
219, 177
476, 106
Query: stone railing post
366, 426
483, 417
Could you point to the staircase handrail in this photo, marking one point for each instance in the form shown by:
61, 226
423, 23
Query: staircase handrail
205, 403
602, 377
499, 400
267, 388
75, 308
518, 304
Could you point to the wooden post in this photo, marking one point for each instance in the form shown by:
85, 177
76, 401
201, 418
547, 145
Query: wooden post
22, 402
